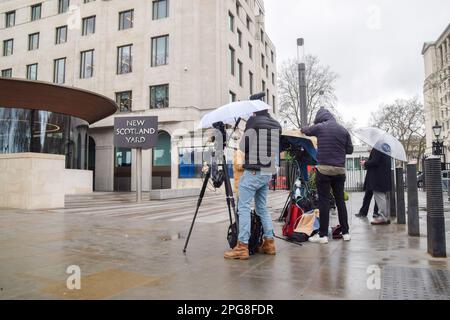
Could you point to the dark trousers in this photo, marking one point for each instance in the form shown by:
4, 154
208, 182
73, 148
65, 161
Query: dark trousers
324, 185
366, 204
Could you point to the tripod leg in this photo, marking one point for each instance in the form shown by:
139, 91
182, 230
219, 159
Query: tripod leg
199, 203
286, 204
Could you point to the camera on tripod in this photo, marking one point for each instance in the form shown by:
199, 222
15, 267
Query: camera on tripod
220, 141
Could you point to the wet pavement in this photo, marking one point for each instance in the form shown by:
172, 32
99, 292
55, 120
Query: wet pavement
126, 250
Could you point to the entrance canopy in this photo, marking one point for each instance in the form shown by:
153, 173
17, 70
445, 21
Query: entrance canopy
37, 95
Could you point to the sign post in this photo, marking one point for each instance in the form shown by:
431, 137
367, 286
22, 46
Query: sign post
136, 133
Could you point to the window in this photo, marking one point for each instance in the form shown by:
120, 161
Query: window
88, 25
273, 103
267, 96
32, 70
160, 51
349, 164
33, 41
250, 82
10, 19
123, 157
230, 21
61, 35
159, 96
232, 96
232, 60
124, 59
63, 6
36, 12
59, 71
263, 86
124, 100
267, 71
8, 47
263, 61
248, 22
7, 73
273, 78
357, 164
240, 70
238, 9
250, 51
160, 9
265, 49
239, 35
87, 64
126, 19
262, 35
272, 57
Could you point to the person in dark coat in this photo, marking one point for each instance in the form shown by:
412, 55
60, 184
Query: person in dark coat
333, 143
378, 180
368, 195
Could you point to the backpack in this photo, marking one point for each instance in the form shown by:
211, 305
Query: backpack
294, 213
256, 234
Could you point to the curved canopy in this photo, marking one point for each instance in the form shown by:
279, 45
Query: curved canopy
37, 95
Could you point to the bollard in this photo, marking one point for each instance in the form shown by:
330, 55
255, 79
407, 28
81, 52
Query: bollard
401, 219
435, 208
392, 205
413, 200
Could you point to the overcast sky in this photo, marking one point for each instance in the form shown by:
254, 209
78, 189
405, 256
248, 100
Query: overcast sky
374, 45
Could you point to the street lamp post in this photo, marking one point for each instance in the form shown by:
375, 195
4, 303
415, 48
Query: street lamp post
438, 145
302, 82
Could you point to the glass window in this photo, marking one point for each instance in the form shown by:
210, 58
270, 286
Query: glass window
272, 57
160, 51
124, 59
61, 35
248, 22
349, 164
263, 61
267, 71
87, 64
88, 25
124, 101
33, 41
36, 12
263, 89
126, 19
32, 70
123, 157
273, 103
239, 35
230, 21
232, 96
232, 59
10, 19
250, 80
63, 6
7, 73
250, 50
273, 78
159, 96
240, 70
8, 47
160, 9
262, 35
59, 71
357, 164
161, 152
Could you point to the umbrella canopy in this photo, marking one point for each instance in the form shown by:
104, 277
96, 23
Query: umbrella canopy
231, 112
382, 141
297, 139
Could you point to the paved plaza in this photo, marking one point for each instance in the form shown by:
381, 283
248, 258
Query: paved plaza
127, 250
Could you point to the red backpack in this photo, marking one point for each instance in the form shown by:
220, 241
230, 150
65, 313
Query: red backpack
292, 219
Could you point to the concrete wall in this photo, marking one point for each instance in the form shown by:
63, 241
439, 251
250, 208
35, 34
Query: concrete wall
32, 181
77, 181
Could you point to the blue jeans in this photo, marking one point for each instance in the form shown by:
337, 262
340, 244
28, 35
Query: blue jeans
253, 186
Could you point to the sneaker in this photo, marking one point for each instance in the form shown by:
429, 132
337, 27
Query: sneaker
376, 215
347, 237
318, 239
380, 221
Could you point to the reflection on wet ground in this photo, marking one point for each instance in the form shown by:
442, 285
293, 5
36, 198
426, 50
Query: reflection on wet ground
126, 250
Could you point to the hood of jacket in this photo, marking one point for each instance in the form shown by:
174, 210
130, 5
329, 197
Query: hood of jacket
323, 115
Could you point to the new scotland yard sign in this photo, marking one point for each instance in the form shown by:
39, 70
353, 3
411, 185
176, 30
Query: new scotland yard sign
135, 132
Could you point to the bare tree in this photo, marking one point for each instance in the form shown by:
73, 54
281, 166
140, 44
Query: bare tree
320, 90
405, 120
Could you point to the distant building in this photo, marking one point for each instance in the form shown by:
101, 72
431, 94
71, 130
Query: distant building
175, 59
437, 89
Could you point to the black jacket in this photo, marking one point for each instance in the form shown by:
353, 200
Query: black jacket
378, 177
333, 140
261, 142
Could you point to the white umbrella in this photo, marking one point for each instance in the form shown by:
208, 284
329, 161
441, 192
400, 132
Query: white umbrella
382, 141
231, 112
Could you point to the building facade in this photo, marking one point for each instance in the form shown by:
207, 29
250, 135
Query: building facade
437, 89
175, 59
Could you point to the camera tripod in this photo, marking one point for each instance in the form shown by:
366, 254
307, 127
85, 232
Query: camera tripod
228, 191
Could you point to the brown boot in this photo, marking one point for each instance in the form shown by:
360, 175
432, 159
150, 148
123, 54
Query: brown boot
239, 252
268, 246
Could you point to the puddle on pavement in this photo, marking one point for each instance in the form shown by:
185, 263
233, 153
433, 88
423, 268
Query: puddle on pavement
171, 237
